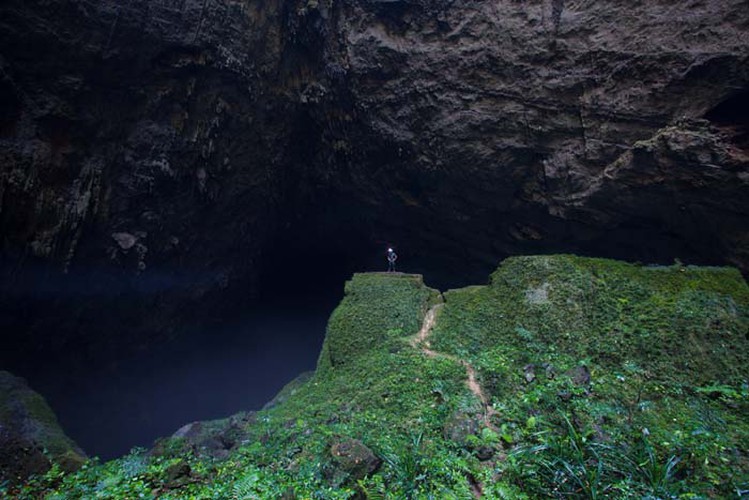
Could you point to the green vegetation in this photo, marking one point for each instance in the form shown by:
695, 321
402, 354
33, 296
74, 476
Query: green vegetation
605, 380
377, 310
660, 407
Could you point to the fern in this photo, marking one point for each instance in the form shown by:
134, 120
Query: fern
246, 488
370, 494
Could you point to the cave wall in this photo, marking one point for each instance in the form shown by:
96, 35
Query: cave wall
151, 152
144, 148
505, 120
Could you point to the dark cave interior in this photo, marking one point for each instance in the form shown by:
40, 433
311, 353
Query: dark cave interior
733, 115
262, 331
210, 367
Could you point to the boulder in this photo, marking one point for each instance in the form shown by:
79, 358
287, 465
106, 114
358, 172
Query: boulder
580, 376
31, 438
459, 426
354, 458
212, 438
289, 390
529, 373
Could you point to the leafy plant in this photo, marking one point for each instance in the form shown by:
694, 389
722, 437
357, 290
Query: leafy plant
657, 474
247, 487
406, 466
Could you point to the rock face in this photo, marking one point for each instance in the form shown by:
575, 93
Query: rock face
511, 117
133, 160
151, 152
213, 438
30, 436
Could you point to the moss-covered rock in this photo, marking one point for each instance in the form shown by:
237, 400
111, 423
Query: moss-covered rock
31, 439
461, 425
376, 309
20, 457
613, 350
684, 324
289, 390
209, 438
354, 458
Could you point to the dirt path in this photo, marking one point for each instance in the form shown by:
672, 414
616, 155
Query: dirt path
421, 341
430, 318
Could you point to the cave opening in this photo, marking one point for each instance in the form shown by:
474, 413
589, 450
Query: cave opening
207, 370
732, 115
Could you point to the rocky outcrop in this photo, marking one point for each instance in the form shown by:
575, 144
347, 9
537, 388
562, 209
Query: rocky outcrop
30, 437
152, 152
212, 438
217, 438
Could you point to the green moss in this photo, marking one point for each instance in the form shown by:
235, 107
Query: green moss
377, 308
681, 324
651, 337
662, 416
26, 412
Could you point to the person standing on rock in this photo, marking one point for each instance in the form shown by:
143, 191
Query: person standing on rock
392, 257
